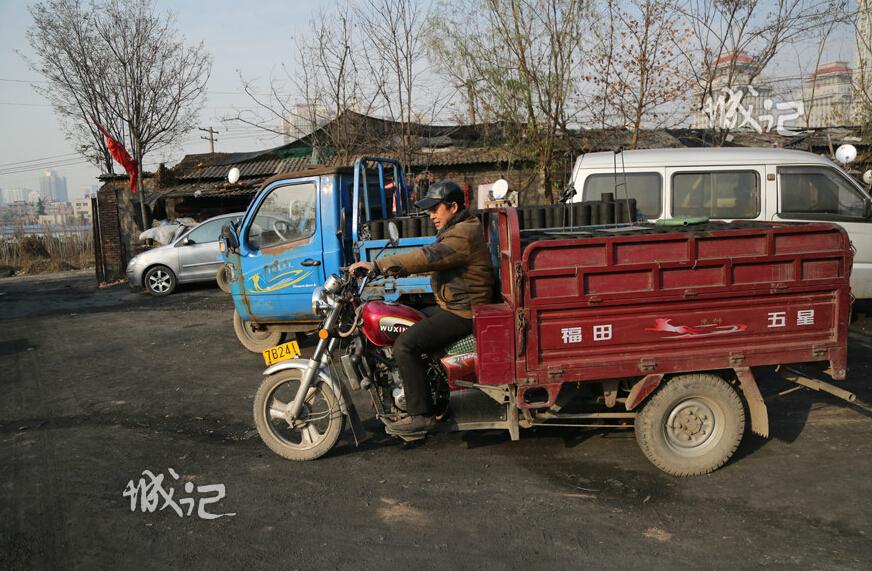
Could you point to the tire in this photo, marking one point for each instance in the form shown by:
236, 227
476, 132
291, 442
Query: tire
222, 278
311, 440
159, 281
692, 425
256, 341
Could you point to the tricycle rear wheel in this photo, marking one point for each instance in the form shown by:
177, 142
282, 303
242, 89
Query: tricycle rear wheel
692, 425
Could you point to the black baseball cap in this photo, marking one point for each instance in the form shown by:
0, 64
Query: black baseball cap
442, 191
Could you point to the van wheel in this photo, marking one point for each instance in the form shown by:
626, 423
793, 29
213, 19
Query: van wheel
254, 338
692, 425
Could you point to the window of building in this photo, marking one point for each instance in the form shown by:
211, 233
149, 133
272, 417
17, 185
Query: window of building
716, 194
645, 187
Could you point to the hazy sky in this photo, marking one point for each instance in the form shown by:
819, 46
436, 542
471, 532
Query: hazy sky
254, 37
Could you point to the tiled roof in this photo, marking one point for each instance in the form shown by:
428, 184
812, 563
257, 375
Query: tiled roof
209, 189
832, 69
450, 156
256, 168
740, 58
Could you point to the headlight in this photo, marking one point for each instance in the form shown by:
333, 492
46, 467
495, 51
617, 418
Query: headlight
333, 284
319, 300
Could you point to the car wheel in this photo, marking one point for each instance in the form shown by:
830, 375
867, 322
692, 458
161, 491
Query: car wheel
255, 339
159, 281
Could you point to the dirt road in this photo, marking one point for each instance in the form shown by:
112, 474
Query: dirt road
100, 385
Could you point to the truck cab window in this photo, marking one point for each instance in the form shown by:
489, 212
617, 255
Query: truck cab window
716, 194
645, 187
287, 214
818, 190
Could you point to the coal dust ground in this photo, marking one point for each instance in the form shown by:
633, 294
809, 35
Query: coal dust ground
99, 386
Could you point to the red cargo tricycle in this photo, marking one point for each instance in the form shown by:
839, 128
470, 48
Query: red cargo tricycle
655, 328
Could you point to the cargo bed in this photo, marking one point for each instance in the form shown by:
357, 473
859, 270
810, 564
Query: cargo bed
625, 301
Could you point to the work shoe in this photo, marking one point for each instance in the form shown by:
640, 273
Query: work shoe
411, 424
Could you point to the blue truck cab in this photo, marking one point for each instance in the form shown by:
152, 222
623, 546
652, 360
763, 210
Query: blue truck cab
304, 225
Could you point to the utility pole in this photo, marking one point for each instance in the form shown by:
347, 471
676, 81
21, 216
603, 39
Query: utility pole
211, 138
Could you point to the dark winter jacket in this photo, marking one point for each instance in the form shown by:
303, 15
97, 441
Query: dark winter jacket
459, 262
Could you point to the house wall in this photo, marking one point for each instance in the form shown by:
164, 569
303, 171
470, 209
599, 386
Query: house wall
118, 228
109, 255
469, 177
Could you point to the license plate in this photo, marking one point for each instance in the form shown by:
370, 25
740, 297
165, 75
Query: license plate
283, 352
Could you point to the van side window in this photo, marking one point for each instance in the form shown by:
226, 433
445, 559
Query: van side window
287, 214
818, 190
645, 187
716, 194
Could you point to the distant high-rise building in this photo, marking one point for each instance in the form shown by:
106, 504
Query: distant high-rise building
1, 197
17, 195
828, 95
53, 187
82, 209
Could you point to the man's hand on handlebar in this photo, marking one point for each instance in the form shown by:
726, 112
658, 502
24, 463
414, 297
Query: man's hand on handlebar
357, 266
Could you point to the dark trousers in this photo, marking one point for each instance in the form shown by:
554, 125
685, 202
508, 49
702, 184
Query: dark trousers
439, 330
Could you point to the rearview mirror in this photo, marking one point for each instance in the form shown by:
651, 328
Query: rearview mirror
341, 231
228, 236
393, 233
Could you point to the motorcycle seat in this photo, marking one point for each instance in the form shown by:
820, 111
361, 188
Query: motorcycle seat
462, 346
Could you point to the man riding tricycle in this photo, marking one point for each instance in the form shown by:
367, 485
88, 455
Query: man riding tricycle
619, 326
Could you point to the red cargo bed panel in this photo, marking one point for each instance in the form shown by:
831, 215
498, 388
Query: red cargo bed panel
711, 261
590, 343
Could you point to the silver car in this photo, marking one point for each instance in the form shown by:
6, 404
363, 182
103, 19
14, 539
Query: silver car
192, 256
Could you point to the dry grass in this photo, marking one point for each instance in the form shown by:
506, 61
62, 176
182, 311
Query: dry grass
48, 250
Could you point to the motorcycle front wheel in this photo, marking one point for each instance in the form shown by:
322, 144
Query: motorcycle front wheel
317, 427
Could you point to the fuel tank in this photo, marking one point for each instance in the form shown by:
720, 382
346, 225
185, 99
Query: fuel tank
384, 321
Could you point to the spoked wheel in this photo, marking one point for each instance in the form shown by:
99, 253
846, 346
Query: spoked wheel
255, 339
160, 281
317, 427
691, 425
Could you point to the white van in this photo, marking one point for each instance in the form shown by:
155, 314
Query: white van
735, 184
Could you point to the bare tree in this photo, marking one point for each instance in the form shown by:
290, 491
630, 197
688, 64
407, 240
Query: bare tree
644, 81
359, 59
862, 23
127, 66
732, 41
809, 83
325, 83
526, 55
395, 56
69, 55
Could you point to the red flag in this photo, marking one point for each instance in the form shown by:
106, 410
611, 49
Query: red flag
120, 154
